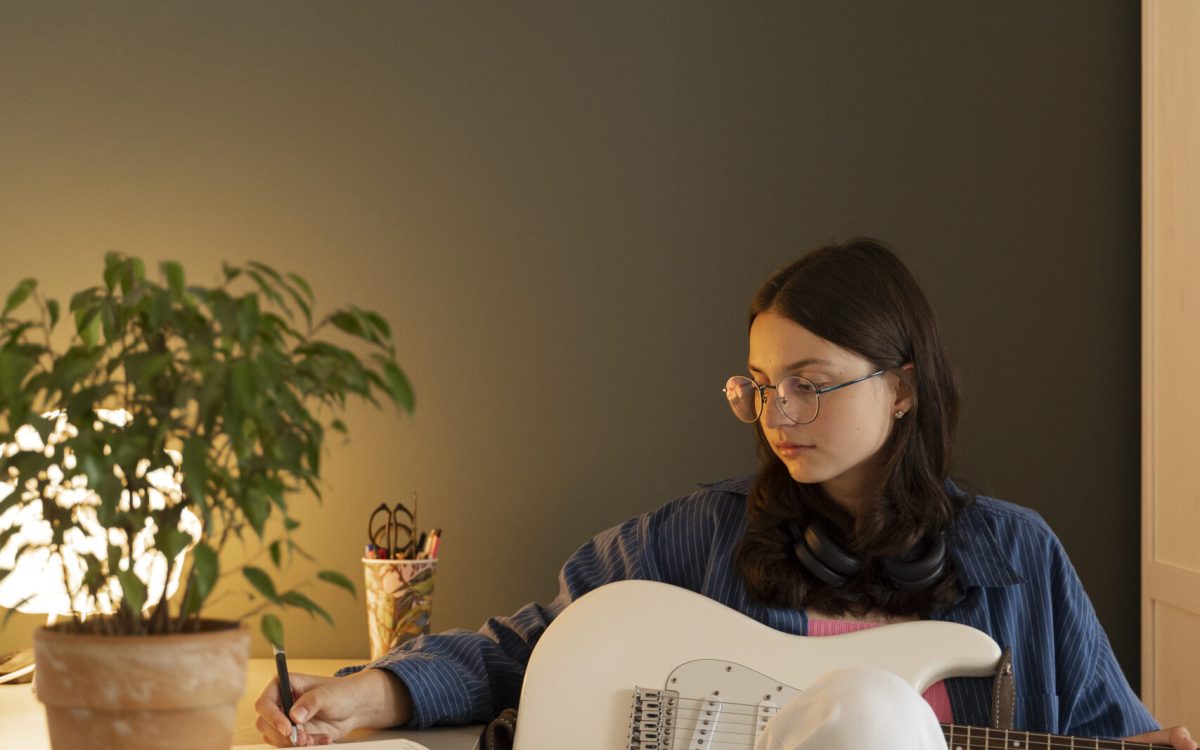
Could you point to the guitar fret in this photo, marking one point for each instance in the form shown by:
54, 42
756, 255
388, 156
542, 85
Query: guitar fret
964, 737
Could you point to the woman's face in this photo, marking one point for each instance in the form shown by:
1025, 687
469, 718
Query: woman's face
841, 449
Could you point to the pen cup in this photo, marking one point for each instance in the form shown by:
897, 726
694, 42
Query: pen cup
399, 601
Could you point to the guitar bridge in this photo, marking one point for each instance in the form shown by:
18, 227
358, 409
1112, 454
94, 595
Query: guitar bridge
652, 719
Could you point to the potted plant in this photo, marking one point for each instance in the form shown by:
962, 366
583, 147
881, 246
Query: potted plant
228, 390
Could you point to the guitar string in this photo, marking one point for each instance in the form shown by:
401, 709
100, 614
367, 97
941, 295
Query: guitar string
977, 738
1015, 740
1055, 742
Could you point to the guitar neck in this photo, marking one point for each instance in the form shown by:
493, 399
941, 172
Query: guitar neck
959, 737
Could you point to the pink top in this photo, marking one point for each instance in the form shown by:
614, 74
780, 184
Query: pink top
936, 696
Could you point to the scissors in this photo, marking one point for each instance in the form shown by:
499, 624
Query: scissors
392, 530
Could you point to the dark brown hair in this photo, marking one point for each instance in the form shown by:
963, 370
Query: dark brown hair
860, 297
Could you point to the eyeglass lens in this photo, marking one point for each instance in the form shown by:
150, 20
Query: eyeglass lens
795, 396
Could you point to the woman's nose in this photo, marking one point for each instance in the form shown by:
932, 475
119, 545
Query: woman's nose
772, 416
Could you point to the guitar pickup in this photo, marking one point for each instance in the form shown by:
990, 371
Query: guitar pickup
763, 713
707, 717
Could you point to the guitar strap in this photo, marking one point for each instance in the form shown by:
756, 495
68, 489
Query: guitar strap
499, 733
1004, 693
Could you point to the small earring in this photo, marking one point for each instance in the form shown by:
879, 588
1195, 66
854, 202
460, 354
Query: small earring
899, 414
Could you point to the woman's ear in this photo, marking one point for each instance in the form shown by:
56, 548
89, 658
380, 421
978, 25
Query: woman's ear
906, 396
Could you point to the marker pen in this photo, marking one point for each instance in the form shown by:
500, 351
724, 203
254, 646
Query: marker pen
285, 687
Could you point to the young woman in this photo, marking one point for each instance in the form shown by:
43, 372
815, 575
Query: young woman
850, 522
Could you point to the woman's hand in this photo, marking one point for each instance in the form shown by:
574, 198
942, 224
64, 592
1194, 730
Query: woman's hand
1177, 737
328, 708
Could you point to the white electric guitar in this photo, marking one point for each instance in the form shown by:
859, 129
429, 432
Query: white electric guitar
638, 665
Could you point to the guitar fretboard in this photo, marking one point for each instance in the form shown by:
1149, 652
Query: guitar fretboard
960, 737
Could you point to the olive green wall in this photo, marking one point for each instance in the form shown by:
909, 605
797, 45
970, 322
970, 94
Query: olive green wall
563, 208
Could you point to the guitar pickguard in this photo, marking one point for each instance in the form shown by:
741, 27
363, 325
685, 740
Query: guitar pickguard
706, 703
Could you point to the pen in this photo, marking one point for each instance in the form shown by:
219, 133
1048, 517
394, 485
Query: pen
431, 545
285, 687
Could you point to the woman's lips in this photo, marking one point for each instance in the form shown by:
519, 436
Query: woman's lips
790, 450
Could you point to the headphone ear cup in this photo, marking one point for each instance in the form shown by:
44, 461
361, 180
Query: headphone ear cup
914, 575
830, 553
822, 557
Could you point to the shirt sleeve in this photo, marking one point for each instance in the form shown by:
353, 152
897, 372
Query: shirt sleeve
465, 677
1096, 699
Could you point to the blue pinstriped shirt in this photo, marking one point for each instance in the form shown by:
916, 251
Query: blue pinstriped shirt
1020, 588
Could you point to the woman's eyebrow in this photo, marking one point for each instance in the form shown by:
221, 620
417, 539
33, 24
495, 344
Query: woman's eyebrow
796, 365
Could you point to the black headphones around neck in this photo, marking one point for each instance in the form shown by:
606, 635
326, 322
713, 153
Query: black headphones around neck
828, 561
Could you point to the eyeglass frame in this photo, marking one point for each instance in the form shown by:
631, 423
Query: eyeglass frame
817, 393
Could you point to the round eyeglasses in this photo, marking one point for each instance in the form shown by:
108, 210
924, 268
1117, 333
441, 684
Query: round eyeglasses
798, 398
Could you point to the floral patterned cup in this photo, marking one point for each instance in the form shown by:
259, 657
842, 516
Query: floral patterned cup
399, 601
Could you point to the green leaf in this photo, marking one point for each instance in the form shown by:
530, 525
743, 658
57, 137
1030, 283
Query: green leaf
337, 579
274, 548
110, 321
19, 294
272, 628
299, 281
16, 333
133, 272
43, 426
14, 366
174, 273
257, 507
73, 366
381, 326
109, 489
248, 318
204, 568
114, 557
93, 577
399, 389
261, 581
112, 269
347, 322
195, 469
296, 599
268, 290
170, 541
142, 367
192, 604
52, 308
133, 591
269, 271
242, 385
302, 303
294, 548
88, 325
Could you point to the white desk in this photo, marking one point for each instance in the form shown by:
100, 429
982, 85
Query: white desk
23, 720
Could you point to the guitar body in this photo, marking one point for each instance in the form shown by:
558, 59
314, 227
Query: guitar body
603, 662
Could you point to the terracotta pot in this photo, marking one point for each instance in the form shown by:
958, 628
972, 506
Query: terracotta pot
176, 692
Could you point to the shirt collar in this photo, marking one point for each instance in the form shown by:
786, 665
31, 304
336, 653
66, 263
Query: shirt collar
978, 554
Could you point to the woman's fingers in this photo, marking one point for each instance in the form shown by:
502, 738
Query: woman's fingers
271, 734
270, 711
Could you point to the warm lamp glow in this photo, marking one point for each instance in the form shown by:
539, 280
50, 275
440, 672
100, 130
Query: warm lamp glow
42, 578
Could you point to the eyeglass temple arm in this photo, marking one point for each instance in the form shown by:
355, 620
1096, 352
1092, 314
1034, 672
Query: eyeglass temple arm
831, 388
